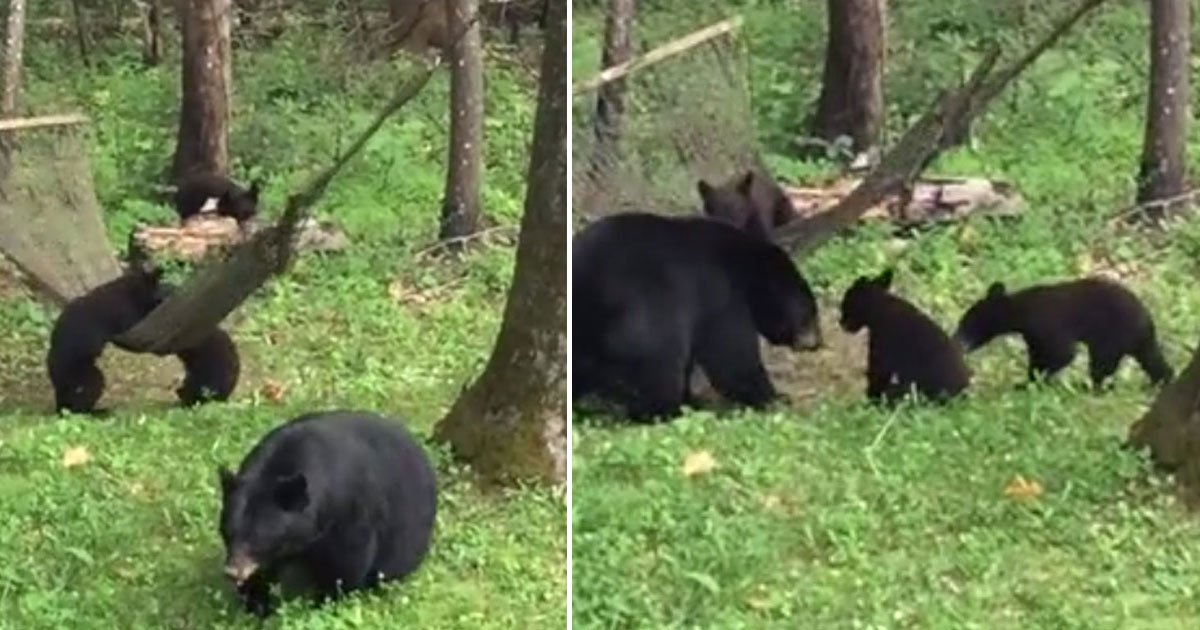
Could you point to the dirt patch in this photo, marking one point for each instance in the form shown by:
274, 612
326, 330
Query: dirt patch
141, 382
836, 370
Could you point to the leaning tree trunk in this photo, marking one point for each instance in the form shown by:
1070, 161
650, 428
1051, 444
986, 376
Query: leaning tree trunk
207, 78
14, 55
851, 101
610, 98
511, 423
1171, 429
1163, 169
464, 173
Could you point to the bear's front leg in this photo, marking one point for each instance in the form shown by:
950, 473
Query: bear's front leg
1048, 355
729, 354
255, 594
344, 563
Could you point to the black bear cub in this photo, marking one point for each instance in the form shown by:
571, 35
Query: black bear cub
655, 296
749, 195
211, 370
1104, 316
85, 327
347, 498
906, 349
232, 200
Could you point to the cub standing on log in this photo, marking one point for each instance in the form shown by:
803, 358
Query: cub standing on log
233, 201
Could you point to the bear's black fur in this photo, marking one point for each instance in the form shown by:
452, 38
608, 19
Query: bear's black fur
211, 370
86, 325
347, 498
1106, 317
232, 200
751, 194
906, 349
653, 296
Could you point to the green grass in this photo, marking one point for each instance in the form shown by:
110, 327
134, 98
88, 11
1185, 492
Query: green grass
129, 538
835, 514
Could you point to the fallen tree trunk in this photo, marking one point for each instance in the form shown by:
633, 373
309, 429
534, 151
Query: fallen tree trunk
938, 130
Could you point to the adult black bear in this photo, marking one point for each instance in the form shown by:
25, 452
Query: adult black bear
654, 295
750, 195
211, 370
86, 325
906, 348
348, 498
232, 200
1103, 315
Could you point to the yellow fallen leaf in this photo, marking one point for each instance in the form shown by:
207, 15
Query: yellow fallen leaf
273, 391
698, 463
75, 456
758, 603
1022, 489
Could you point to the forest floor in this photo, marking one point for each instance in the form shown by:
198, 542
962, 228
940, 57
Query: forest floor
1011, 508
113, 523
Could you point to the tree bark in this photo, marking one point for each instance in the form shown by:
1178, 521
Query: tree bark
464, 173
1163, 169
610, 98
14, 56
851, 101
1171, 430
511, 423
203, 143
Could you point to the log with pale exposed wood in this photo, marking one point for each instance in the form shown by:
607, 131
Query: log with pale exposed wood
207, 235
932, 200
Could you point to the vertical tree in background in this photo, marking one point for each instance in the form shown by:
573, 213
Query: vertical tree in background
511, 423
14, 56
851, 101
460, 207
203, 143
610, 99
1163, 169
151, 31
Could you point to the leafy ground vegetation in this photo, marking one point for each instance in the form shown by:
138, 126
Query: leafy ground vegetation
113, 523
1013, 508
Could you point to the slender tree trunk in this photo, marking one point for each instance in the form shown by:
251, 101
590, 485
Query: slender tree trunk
207, 80
151, 32
464, 175
851, 101
81, 32
14, 56
610, 98
1163, 171
511, 423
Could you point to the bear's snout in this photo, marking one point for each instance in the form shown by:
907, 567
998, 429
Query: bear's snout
239, 567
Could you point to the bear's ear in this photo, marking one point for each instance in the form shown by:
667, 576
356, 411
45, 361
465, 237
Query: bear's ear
291, 493
996, 290
705, 189
884, 280
746, 184
228, 479
255, 187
